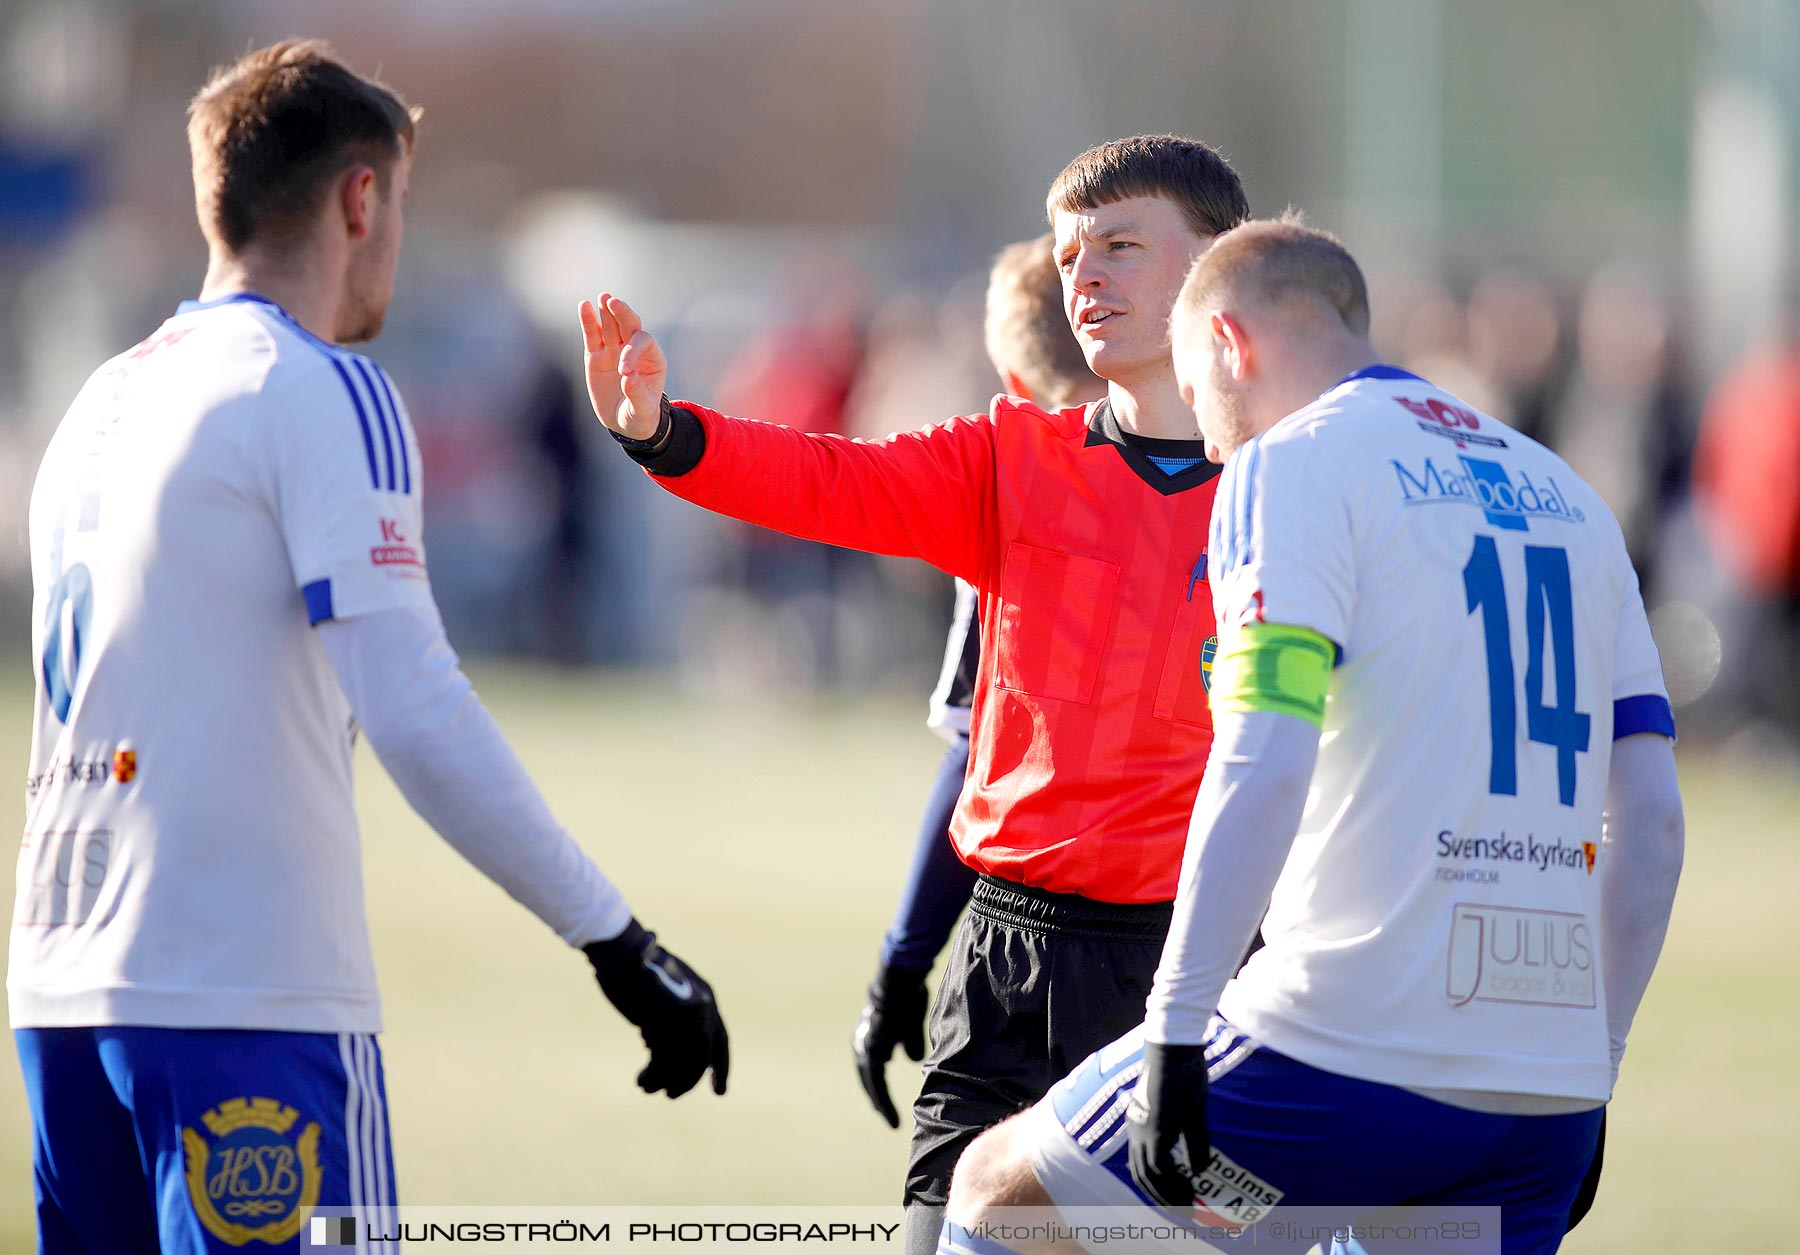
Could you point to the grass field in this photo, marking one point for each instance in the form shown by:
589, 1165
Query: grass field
767, 847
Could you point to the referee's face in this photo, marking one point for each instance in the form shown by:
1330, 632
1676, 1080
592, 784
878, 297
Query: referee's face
1122, 265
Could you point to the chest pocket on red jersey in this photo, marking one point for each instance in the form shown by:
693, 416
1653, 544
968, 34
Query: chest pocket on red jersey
1056, 610
1181, 694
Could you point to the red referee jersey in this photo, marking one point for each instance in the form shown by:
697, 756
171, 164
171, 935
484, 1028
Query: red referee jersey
1090, 726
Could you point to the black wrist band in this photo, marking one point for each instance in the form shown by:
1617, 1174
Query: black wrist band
665, 426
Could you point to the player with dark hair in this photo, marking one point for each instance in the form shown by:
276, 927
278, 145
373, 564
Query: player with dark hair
1443, 756
1038, 359
1083, 530
229, 582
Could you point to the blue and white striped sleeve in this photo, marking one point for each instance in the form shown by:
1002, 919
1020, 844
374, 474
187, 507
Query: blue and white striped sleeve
347, 486
1279, 548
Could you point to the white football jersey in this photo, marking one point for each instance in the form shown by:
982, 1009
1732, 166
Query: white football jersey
1437, 922
191, 856
955, 692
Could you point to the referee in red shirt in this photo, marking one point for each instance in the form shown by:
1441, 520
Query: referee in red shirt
1036, 356
1084, 532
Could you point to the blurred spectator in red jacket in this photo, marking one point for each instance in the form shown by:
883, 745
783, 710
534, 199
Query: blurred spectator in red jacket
1747, 482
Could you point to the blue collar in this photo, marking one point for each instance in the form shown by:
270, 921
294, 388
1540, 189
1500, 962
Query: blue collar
188, 307
256, 298
1377, 371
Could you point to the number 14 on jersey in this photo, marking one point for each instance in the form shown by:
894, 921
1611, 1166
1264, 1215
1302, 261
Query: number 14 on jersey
1549, 603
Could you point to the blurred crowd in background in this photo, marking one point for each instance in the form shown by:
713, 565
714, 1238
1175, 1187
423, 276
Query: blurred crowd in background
1581, 223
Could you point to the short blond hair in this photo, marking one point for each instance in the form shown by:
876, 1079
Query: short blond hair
1270, 260
1028, 334
269, 133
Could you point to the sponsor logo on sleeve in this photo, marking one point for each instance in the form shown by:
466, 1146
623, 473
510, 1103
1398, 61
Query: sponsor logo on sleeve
395, 550
1250, 612
1522, 956
1484, 485
255, 1179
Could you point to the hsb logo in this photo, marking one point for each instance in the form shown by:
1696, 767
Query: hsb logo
258, 1177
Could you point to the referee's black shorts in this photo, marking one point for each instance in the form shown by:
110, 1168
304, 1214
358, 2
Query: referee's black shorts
1036, 982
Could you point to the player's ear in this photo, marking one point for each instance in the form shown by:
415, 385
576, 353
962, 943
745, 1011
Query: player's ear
356, 199
1016, 386
1234, 345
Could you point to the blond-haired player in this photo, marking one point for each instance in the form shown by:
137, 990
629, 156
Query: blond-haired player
1442, 756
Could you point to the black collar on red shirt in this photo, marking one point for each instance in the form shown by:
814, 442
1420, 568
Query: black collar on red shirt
1103, 428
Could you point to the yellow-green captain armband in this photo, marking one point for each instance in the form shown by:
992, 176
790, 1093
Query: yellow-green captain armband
1270, 666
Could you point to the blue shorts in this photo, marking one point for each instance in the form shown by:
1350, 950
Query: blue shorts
1288, 1135
186, 1141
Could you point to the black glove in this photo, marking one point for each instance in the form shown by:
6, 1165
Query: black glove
1166, 1123
672, 1007
1590, 1184
893, 1016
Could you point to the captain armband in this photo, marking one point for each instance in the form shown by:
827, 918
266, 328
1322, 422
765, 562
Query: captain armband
1269, 666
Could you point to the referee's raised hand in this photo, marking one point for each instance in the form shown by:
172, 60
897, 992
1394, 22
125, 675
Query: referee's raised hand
623, 358
672, 1007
